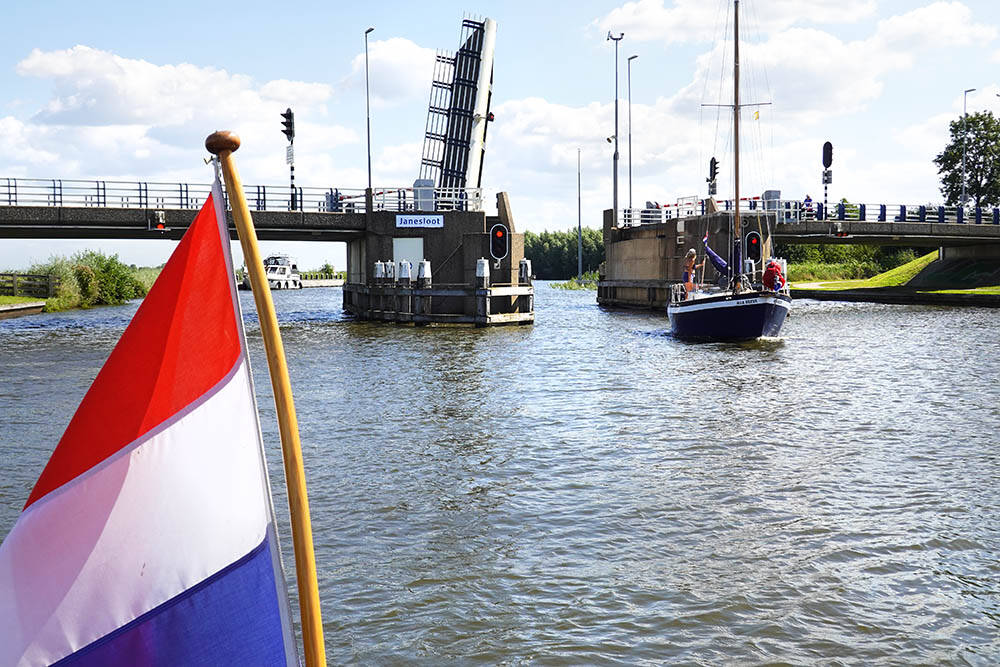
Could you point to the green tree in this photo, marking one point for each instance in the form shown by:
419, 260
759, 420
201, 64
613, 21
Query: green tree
980, 137
553, 255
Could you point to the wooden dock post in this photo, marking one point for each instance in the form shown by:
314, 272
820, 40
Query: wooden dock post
526, 303
421, 303
373, 291
403, 292
482, 292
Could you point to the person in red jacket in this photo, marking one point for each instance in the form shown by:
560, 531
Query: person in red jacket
773, 278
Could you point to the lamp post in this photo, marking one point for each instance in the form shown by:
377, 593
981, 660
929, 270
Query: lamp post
965, 117
579, 223
615, 162
630, 59
368, 114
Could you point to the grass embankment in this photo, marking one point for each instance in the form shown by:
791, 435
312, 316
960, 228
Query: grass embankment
892, 278
589, 281
897, 277
92, 278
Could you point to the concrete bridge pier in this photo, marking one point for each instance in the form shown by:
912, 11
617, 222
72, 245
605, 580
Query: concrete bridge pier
453, 242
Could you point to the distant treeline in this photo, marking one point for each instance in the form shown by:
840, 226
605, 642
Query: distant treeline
553, 255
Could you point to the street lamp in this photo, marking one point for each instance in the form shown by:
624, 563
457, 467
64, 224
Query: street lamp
615, 197
368, 114
965, 116
579, 222
630, 59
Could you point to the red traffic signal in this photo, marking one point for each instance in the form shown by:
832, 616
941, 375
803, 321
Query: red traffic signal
499, 241
754, 246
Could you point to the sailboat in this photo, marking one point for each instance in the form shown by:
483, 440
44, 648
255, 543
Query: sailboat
746, 308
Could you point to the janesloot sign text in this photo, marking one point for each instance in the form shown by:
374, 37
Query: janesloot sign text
419, 221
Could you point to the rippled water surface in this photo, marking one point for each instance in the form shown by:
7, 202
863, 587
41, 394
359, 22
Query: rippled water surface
590, 491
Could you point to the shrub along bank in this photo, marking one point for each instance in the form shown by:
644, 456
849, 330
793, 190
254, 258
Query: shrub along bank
589, 281
91, 278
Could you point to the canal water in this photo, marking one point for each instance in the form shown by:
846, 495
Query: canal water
590, 491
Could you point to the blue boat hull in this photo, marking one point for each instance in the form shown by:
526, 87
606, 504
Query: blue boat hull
729, 317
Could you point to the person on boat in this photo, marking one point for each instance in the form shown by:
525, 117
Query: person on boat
689, 268
720, 264
773, 279
807, 206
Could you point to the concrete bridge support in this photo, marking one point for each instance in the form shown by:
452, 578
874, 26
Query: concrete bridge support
453, 242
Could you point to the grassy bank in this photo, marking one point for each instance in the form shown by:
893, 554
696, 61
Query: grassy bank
892, 278
897, 277
13, 300
589, 281
92, 278
817, 262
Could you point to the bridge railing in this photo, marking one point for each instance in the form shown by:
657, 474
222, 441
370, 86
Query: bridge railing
797, 211
154, 195
786, 210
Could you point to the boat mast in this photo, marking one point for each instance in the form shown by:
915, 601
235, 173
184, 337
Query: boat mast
737, 271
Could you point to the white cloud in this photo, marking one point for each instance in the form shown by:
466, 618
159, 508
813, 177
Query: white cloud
398, 71
814, 75
16, 144
701, 20
121, 118
938, 24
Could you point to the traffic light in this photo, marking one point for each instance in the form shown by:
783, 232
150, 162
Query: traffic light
289, 124
827, 155
753, 246
713, 169
499, 241
157, 221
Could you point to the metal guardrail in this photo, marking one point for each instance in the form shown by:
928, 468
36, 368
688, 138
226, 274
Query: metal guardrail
796, 211
152, 195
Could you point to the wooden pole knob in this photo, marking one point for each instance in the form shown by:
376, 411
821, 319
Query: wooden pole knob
222, 140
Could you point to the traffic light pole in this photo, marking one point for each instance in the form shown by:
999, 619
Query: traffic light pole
289, 131
291, 175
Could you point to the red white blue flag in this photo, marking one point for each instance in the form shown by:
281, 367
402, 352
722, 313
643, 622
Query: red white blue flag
149, 538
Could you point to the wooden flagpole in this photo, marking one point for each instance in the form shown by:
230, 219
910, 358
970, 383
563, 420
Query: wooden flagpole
223, 144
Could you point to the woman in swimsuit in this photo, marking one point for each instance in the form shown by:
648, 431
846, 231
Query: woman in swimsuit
689, 269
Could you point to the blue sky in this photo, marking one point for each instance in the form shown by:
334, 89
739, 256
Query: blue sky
118, 91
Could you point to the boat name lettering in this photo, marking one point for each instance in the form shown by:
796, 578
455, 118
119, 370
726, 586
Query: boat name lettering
435, 221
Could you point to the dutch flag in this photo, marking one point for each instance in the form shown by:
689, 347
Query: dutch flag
149, 537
